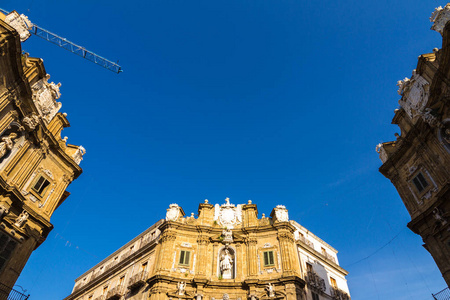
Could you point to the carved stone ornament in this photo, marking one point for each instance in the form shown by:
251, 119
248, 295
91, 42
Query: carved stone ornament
440, 17
281, 213
382, 153
20, 23
173, 212
44, 97
7, 143
414, 92
227, 235
78, 155
21, 219
228, 215
31, 121
430, 118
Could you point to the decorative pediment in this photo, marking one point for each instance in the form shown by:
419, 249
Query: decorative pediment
440, 17
415, 93
228, 215
44, 96
20, 23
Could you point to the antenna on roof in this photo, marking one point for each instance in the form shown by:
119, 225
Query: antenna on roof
24, 27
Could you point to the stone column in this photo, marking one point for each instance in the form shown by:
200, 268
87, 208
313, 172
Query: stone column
252, 257
287, 245
202, 242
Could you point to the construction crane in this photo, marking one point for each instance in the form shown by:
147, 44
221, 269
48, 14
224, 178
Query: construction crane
25, 27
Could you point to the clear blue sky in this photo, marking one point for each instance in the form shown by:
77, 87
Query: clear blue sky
281, 102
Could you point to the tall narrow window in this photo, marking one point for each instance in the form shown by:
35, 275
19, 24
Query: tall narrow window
121, 280
333, 282
7, 246
41, 185
268, 259
315, 296
309, 267
420, 182
324, 251
184, 257
144, 267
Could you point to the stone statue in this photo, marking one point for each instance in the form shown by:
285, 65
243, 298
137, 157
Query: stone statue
438, 216
7, 143
20, 23
181, 288
226, 265
226, 297
3, 211
270, 290
21, 219
227, 236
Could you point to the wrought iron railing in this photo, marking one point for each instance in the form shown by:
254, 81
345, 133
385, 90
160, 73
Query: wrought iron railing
339, 294
442, 295
315, 281
7, 293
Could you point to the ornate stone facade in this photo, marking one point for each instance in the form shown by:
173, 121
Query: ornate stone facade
418, 161
36, 165
183, 257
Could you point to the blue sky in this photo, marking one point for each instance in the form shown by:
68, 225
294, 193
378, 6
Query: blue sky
280, 102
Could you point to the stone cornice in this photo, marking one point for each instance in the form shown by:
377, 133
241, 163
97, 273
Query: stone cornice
322, 259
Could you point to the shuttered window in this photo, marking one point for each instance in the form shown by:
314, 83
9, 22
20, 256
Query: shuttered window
184, 257
268, 258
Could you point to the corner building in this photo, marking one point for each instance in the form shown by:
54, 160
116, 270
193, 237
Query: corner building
226, 253
36, 163
418, 161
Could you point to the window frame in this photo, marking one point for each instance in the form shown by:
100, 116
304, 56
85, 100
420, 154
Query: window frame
184, 260
268, 264
420, 179
35, 182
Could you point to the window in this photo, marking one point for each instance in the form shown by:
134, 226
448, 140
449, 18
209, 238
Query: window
7, 246
333, 282
420, 182
121, 280
184, 257
41, 185
268, 259
105, 289
309, 267
144, 266
324, 251
315, 296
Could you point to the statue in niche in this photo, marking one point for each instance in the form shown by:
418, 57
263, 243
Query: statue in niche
3, 211
21, 219
7, 143
226, 264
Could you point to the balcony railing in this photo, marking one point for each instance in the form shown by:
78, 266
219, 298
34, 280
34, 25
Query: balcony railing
442, 295
114, 293
137, 280
306, 241
315, 281
7, 293
338, 294
311, 245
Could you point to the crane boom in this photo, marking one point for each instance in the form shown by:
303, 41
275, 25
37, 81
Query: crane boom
72, 47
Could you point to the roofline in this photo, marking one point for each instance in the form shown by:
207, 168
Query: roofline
315, 236
157, 224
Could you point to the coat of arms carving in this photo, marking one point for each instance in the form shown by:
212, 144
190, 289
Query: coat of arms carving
228, 215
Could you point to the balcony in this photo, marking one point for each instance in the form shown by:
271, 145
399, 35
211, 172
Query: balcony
338, 294
114, 293
11, 294
137, 280
328, 257
315, 281
305, 241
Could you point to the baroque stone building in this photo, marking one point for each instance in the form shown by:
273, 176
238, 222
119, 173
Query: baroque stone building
227, 252
36, 164
418, 161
